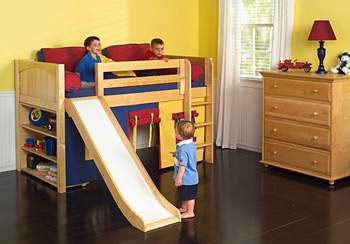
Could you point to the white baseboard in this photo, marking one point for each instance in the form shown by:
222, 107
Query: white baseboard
7, 168
249, 148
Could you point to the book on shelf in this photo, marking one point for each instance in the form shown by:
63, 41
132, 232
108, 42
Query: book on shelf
51, 178
52, 174
44, 166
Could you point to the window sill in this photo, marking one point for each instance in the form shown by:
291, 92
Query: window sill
251, 82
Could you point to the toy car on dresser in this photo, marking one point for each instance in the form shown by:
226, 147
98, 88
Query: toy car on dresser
288, 64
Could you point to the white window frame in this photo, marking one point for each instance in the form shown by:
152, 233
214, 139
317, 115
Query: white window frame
249, 78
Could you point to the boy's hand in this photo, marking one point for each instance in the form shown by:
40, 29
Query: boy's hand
172, 154
166, 59
178, 182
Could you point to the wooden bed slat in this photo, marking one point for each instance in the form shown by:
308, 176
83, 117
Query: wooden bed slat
137, 65
140, 81
151, 97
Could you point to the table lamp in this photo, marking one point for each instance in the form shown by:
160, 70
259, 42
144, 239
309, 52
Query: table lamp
321, 31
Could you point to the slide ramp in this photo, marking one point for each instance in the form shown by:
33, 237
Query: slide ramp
126, 178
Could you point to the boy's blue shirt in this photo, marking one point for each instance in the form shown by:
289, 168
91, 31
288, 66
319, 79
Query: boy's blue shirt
86, 68
186, 155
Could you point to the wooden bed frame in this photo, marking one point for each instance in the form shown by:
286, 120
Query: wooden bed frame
41, 85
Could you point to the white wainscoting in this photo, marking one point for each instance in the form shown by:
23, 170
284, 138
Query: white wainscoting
7, 131
250, 128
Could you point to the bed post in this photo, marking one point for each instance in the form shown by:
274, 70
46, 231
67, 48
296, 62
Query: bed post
209, 110
99, 88
185, 86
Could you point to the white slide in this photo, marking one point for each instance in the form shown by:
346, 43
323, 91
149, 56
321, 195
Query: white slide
129, 183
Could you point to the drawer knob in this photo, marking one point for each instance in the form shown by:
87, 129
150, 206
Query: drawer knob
275, 108
275, 86
314, 161
314, 114
314, 138
315, 91
274, 152
274, 130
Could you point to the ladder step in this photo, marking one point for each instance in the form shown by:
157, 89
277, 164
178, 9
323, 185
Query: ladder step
205, 144
201, 124
201, 103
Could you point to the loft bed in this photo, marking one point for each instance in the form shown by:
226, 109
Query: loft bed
42, 85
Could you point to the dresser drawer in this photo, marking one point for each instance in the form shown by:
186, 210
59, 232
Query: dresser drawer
298, 134
295, 156
298, 110
297, 88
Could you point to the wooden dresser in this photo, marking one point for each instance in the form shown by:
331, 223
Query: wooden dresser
306, 123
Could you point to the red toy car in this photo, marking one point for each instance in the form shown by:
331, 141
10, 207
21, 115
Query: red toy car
288, 64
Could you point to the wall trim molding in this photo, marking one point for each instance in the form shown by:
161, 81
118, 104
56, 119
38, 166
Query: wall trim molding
6, 93
249, 148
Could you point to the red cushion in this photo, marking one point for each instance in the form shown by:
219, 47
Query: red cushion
69, 56
128, 52
72, 81
196, 72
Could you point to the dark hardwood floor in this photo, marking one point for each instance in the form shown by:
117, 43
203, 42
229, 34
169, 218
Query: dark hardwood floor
239, 201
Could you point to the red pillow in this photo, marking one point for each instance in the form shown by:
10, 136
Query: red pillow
196, 72
72, 81
69, 56
128, 52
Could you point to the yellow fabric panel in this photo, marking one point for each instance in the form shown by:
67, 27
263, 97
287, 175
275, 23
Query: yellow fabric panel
104, 59
167, 130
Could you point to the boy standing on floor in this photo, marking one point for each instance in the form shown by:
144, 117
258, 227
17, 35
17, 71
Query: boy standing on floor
186, 175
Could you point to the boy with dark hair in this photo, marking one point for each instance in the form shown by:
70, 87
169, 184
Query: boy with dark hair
155, 53
86, 66
186, 175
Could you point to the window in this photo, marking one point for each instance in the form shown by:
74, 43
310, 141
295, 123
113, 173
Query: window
256, 35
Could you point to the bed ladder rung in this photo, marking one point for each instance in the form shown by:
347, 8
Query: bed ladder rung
201, 103
202, 124
205, 144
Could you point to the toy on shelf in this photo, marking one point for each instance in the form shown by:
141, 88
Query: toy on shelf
30, 142
288, 64
37, 117
40, 144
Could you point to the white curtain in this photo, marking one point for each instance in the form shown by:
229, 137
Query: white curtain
282, 31
229, 57
228, 74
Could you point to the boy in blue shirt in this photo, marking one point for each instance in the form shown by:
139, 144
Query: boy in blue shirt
186, 175
86, 66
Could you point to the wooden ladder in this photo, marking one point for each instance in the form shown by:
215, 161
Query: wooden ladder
208, 143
